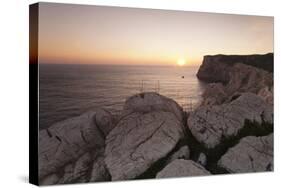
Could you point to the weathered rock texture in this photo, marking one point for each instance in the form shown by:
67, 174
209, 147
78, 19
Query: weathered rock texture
149, 129
210, 124
242, 78
252, 154
147, 102
50, 180
99, 171
181, 167
216, 68
78, 171
66, 141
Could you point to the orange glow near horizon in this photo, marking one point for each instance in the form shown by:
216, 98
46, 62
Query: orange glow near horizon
112, 35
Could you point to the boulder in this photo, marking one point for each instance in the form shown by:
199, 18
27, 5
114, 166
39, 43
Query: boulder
251, 154
209, 124
181, 168
147, 132
104, 121
151, 101
78, 171
64, 142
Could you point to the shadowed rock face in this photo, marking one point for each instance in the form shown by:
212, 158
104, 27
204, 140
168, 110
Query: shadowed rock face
182, 153
146, 133
181, 168
216, 68
209, 124
252, 154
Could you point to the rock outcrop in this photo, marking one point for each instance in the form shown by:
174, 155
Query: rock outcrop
99, 171
216, 68
148, 130
210, 124
242, 78
154, 137
78, 171
66, 141
181, 168
151, 101
252, 154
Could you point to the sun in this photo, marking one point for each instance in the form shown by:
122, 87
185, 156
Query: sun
181, 62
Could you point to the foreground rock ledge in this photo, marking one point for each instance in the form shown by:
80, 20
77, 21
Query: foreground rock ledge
252, 154
144, 135
181, 168
209, 124
66, 141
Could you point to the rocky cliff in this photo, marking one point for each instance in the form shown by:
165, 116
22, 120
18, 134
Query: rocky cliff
232, 75
217, 68
231, 132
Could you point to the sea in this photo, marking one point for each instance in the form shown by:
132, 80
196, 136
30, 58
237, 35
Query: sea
68, 90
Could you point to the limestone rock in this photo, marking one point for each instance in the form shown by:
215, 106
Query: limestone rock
251, 154
214, 94
99, 171
138, 141
68, 176
151, 101
66, 141
149, 130
82, 167
104, 120
77, 172
267, 94
209, 124
242, 78
216, 68
181, 168
50, 180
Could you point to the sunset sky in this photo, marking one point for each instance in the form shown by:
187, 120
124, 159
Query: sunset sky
113, 35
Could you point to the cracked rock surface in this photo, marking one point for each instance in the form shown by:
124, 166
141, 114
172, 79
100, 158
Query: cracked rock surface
209, 124
251, 154
77, 172
142, 136
181, 168
242, 78
151, 101
66, 141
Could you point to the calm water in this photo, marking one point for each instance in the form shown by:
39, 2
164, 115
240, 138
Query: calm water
69, 90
